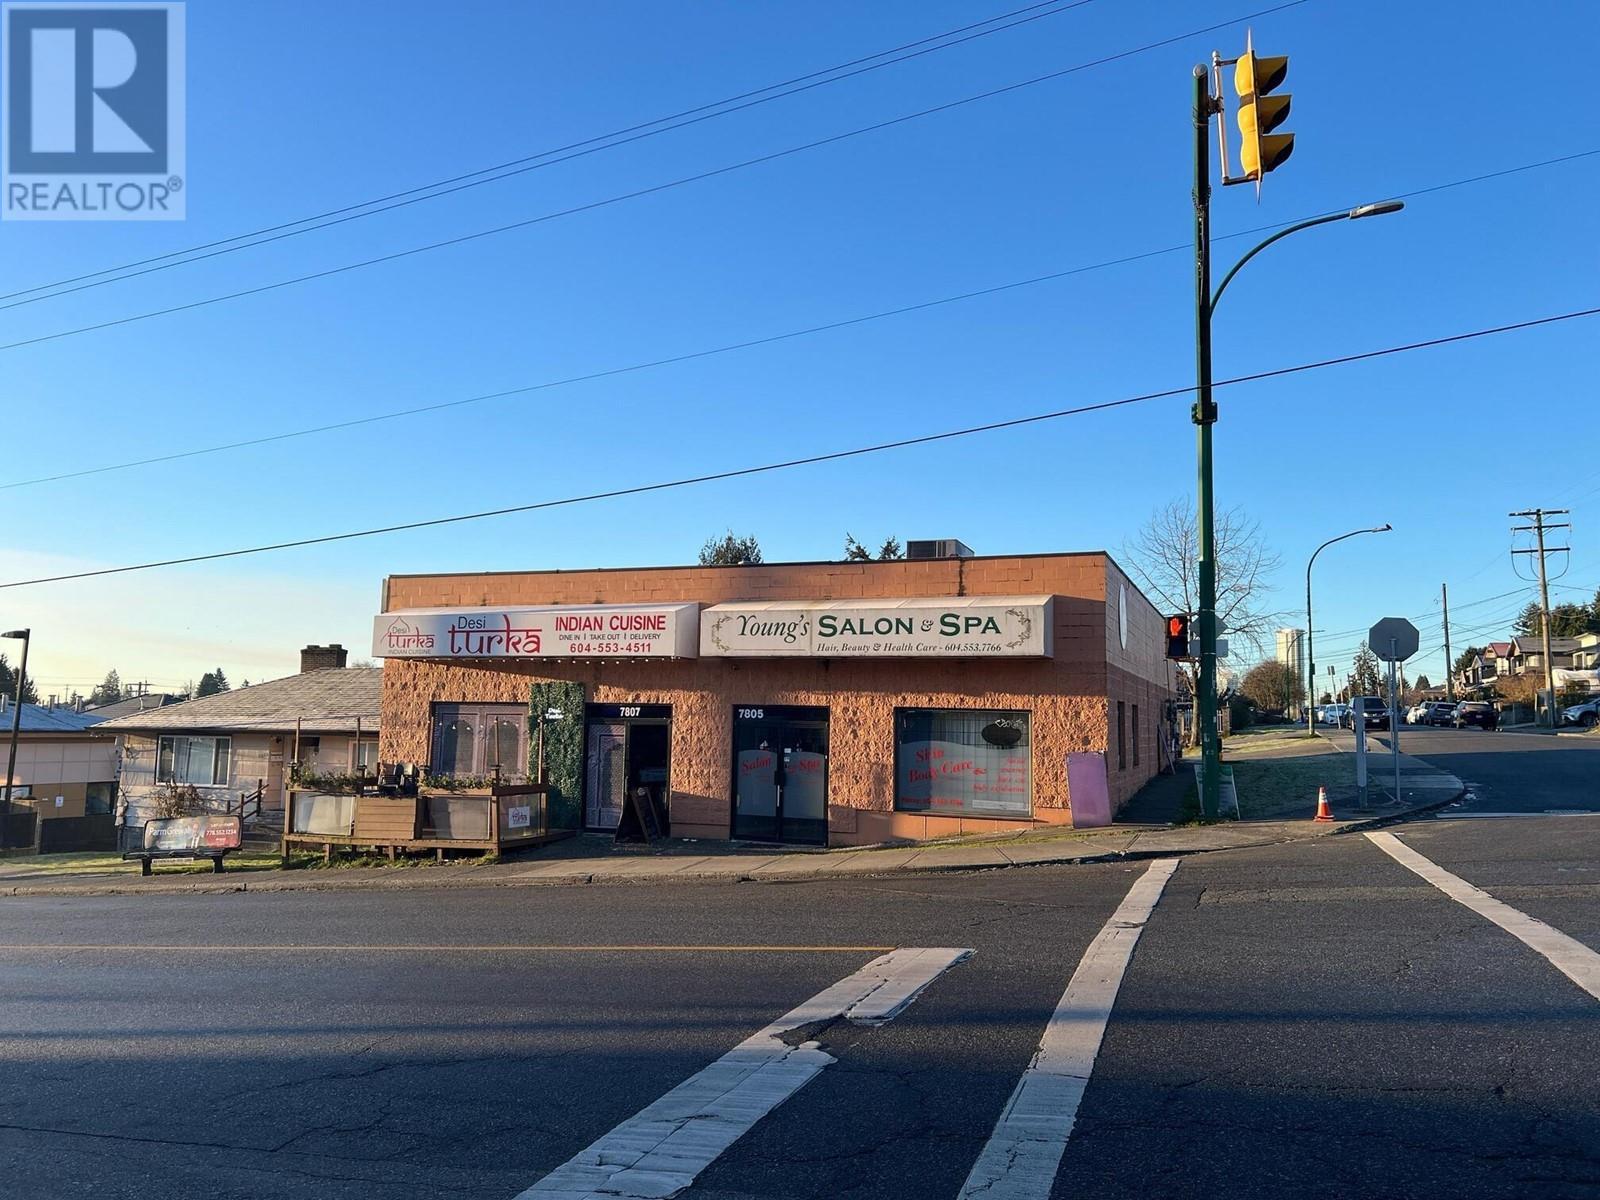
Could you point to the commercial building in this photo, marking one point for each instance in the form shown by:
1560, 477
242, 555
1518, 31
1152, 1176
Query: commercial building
823, 703
66, 764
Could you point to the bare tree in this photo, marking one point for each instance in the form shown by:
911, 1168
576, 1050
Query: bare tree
1165, 557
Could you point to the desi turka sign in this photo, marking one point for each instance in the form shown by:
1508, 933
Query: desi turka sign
943, 627
557, 631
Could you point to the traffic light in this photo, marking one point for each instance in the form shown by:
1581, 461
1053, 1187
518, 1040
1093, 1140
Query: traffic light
1178, 636
1261, 150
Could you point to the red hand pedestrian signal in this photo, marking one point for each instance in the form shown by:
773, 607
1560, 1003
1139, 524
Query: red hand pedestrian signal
1178, 636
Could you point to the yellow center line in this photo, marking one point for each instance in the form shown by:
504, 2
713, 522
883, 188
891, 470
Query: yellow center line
536, 948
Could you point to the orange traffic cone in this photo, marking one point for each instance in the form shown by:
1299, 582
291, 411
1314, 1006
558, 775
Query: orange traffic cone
1323, 813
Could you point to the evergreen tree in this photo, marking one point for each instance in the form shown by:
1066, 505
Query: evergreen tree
730, 551
8, 684
211, 683
109, 690
1368, 672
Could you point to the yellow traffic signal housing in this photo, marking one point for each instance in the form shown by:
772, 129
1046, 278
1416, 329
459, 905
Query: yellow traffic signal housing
1260, 149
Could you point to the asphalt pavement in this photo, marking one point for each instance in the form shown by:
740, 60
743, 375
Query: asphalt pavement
1510, 771
1314, 1019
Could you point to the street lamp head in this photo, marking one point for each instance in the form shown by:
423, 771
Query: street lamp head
1379, 209
15, 633
1384, 528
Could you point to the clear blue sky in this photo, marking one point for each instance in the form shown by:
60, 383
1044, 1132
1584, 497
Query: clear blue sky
295, 107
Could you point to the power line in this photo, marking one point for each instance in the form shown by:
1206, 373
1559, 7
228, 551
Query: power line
1424, 616
748, 344
519, 166
812, 460
654, 189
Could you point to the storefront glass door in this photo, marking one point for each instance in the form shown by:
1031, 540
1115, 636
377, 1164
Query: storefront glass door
627, 747
780, 773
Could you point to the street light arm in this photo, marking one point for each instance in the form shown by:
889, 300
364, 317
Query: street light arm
1281, 234
1311, 658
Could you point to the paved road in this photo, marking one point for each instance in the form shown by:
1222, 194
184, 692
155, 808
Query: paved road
1315, 1019
1513, 772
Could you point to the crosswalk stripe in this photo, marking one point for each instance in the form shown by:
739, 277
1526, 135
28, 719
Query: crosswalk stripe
1021, 1158
660, 1150
1568, 955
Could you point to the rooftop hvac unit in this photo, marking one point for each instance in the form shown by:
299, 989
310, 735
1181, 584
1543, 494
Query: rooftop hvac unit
939, 548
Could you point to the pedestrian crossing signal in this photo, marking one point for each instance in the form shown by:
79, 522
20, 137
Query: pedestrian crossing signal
1178, 636
1261, 150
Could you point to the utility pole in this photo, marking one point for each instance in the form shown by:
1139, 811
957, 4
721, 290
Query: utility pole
1539, 527
1449, 663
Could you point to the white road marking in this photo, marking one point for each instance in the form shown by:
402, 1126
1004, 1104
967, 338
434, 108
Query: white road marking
1568, 955
1020, 1160
1447, 815
660, 1150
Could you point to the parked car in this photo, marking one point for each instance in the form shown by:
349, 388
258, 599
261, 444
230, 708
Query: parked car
1334, 714
1375, 715
1417, 714
1585, 714
1479, 714
1440, 712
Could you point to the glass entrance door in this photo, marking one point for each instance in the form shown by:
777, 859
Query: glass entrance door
626, 747
780, 773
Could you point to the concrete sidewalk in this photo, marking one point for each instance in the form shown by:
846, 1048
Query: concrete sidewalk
1421, 783
591, 859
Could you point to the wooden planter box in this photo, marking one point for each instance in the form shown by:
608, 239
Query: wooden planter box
387, 820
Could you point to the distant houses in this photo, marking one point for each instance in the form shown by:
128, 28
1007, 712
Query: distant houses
66, 770
241, 748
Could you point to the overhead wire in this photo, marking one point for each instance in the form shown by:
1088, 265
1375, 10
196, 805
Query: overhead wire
606, 141
715, 351
637, 193
815, 459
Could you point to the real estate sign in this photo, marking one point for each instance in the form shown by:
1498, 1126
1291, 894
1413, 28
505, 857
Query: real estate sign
942, 627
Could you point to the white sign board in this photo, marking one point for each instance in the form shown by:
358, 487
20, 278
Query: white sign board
941, 627
557, 631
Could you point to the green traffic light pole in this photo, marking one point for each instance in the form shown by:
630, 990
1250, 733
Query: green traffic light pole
1205, 415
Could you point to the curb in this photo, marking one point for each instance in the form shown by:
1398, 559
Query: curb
596, 879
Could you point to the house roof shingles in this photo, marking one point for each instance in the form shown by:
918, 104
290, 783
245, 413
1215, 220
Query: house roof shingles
327, 701
135, 704
38, 718
1535, 645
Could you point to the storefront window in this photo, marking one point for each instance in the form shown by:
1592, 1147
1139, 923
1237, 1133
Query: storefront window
963, 762
480, 740
201, 761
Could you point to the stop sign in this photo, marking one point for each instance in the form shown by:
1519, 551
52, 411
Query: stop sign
1393, 639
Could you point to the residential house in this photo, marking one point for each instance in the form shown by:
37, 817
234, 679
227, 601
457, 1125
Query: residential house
233, 744
135, 704
1587, 655
66, 763
1527, 654
1486, 667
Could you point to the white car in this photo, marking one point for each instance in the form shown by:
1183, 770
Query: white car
1585, 715
1417, 714
1334, 714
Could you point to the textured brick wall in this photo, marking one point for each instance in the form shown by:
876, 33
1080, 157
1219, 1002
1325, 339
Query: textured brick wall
1066, 694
